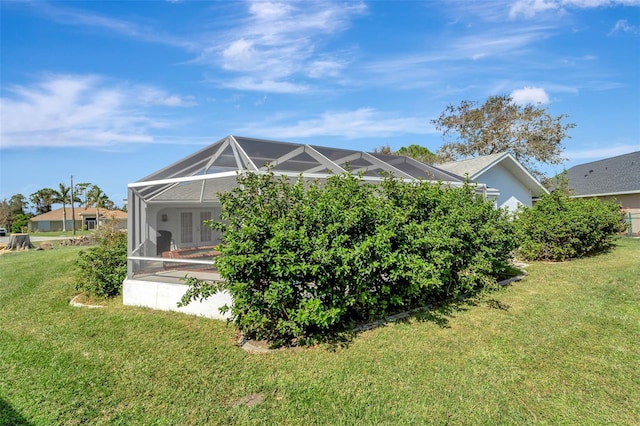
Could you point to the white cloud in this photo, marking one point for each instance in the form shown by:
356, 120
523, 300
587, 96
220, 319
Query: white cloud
270, 10
530, 8
77, 17
360, 123
530, 95
152, 96
175, 100
458, 59
324, 68
239, 55
279, 42
262, 85
623, 26
80, 110
497, 43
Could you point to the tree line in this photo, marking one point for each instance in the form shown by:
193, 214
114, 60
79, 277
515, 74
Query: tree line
16, 212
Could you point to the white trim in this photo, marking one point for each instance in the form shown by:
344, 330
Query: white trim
248, 160
217, 155
480, 187
171, 260
328, 164
288, 156
236, 155
183, 179
606, 194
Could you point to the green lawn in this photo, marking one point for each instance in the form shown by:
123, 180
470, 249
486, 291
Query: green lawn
560, 347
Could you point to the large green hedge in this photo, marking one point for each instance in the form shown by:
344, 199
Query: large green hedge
305, 261
559, 227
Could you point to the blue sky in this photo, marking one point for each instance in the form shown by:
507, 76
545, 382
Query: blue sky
110, 92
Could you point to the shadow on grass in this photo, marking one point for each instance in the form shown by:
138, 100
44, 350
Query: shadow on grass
10, 417
339, 340
496, 304
439, 314
442, 312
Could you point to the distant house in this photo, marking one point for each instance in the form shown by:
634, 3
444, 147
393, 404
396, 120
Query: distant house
503, 172
615, 178
85, 218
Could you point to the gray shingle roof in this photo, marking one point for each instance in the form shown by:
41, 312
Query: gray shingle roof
472, 166
613, 175
478, 166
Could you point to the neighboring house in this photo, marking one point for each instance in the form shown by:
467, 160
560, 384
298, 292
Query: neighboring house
503, 172
167, 237
615, 178
85, 218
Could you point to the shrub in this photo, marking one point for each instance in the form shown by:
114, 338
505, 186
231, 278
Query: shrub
305, 261
560, 228
21, 223
103, 268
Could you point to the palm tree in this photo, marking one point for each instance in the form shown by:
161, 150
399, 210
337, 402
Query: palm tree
96, 197
62, 195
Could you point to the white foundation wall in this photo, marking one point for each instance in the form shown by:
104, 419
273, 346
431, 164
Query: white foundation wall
165, 297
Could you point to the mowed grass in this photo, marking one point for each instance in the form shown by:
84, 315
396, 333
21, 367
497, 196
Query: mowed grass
69, 234
560, 347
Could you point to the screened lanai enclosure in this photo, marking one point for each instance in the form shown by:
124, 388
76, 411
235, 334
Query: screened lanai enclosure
168, 210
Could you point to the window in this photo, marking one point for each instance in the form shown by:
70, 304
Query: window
186, 227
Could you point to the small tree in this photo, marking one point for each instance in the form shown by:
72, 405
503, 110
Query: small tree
20, 223
560, 228
102, 269
80, 193
12, 213
528, 132
42, 200
383, 149
18, 203
99, 199
417, 152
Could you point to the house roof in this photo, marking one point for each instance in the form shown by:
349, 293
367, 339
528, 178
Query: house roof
80, 212
614, 175
471, 166
476, 167
200, 176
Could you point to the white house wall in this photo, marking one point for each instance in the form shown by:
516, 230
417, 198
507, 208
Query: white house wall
513, 192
